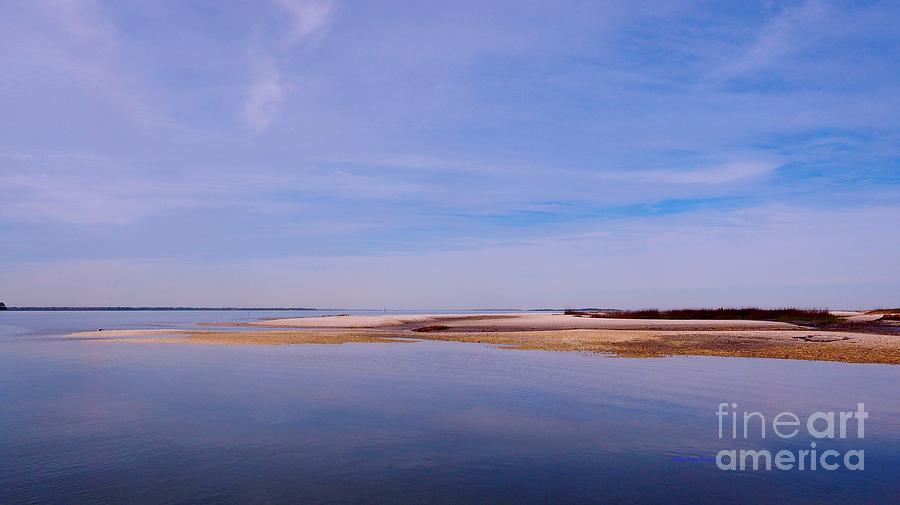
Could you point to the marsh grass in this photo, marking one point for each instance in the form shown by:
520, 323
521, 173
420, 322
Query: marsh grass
884, 311
813, 317
430, 328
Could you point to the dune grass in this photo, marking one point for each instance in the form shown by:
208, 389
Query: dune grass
815, 317
884, 311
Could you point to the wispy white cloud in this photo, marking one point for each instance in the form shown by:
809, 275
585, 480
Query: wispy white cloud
792, 29
718, 174
309, 17
79, 40
85, 188
307, 20
817, 262
721, 174
265, 94
81, 199
430, 164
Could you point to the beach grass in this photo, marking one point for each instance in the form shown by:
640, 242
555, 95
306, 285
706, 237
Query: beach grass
813, 317
884, 311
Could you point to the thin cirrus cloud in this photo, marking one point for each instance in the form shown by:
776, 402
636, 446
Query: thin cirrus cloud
721, 174
78, 200
790, 30
77, 42
309, 17
264, 95
267, 91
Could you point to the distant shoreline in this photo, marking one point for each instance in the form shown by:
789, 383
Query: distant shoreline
123, 309
391, 311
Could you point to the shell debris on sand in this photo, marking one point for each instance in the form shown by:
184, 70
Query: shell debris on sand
549, 332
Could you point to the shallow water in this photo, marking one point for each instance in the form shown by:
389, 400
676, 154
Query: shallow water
424, 422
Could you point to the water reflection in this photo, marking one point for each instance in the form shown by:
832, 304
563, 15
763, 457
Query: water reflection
425, 422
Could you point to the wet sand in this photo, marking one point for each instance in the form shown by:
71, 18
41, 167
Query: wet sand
516, 321
549, 332
235, 337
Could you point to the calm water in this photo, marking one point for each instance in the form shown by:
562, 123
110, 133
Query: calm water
426, 422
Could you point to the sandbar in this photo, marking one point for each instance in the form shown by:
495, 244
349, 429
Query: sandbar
549, 332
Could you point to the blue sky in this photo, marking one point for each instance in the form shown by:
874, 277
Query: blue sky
449, 154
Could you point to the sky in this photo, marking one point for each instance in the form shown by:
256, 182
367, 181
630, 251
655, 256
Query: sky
419, 154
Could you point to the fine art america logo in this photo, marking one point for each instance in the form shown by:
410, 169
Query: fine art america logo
822, 426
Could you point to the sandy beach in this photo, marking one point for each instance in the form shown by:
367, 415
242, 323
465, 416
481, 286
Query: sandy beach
549, 332
515, 321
